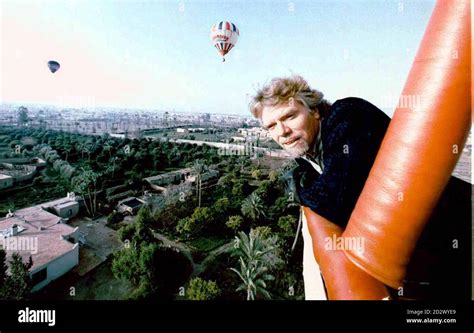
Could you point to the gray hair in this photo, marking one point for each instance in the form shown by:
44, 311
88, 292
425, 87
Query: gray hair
286, 90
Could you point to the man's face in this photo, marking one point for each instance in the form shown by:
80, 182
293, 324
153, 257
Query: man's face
292, 126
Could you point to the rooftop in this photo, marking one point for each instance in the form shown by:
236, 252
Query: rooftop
41, 228
168, 174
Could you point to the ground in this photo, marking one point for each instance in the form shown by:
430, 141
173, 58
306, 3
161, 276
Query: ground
101, 241
98, 284
92, 279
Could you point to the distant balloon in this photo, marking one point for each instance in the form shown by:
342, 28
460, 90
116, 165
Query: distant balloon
224, 36
53, 66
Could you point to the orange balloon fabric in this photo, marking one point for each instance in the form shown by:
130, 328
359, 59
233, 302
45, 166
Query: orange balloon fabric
343, 280
420, 150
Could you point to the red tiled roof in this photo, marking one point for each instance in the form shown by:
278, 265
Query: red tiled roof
43, 226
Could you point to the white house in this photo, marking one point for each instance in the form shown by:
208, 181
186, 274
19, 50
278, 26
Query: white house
6, 181
67, 209
52, 245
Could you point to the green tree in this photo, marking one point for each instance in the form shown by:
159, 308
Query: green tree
201, 218
3, 272
16, 285
252, 207
186, 226
202, 290
202, 215
85, 183
68, 148
221, 206
274, 176
111, 168
226, 182
114, 217
240, 189
287, 225
199, 169
257, 174
147, 263
126, 232
257, 257
234, 222
22, 116
263, 231
253, 279
142, 223
125, 264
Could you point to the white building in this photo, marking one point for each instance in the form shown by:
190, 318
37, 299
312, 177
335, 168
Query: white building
6, 181
67, 209
196, 130
52, 244
254, 132
238, 139
117, 135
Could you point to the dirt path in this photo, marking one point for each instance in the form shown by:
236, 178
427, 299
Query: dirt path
199, 268
172, 244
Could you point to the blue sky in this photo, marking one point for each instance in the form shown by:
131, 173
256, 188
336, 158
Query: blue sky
158, 54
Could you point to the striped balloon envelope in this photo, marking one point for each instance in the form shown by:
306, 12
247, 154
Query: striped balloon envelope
224, 36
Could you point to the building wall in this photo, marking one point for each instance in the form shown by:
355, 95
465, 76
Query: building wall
6, 183
75, 234
15, 160
63, 211
58, 267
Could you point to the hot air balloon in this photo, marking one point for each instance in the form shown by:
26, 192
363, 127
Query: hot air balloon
53, 66
224, 36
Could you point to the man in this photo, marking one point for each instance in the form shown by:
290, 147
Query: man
335, 146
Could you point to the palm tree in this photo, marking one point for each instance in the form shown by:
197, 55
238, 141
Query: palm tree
199, 168
82, 146
241, 162
86, 183
112, 168
253, 207
67, 147
256, 257
253, 280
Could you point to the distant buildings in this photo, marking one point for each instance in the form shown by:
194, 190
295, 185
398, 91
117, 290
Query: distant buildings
238, 139
38, 232
254, 132
118, 135
191, 130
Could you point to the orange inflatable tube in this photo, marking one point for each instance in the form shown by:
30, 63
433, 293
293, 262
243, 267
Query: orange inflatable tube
420, 150
343, 280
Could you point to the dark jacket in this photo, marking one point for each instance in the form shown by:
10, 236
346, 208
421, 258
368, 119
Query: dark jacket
351, 136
